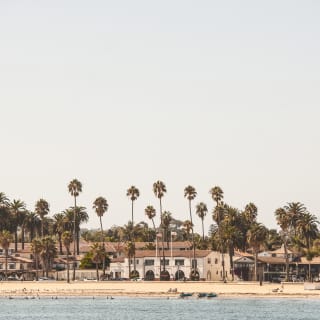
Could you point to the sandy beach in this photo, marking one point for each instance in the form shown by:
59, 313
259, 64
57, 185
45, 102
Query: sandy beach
152, 289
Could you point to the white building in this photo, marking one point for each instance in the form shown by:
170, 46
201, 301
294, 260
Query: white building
178, 265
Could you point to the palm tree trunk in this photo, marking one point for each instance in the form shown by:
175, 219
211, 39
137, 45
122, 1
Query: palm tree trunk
37, 267
162, 240
202, 230
16, 240
97, 271
194, 267
22, 237
104, 248
133, 240
255, 265
6, 264
286, 258
74, 239
68, 276
221, 247
60, 243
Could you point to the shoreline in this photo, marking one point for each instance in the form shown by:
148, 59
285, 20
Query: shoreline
155, 289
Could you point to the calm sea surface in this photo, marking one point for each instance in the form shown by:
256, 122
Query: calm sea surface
158, 308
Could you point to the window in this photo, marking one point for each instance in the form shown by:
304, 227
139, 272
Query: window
194, 263
166, 262
12, 266
137, 261
209, 261
149, 262
216, 261
179, 262
1, 266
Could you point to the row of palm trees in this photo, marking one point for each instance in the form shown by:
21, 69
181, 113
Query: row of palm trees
232, 228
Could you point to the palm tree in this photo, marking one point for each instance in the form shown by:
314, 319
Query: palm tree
190, 193
307, 227
74, 187
295, 210
133, 193
36, 248
81, 217
67, 239
159, 189
284, 221
32, 224
48, 253
256, 237
59, 228
101, 207
17, 208
42, 209
5, 240
217, 196
4, 200
201, 211
98, 255
150, 212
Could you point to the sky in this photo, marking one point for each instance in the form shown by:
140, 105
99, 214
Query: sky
121, 93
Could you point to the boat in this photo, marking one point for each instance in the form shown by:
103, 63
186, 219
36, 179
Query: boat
185, 294
202, 295
212, 295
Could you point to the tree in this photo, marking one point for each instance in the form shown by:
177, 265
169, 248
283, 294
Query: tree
159, 189
201, 211
190, 193
47, 253
217, 196
284, 221
32, 224
42, 209
36, 248
133, 193
74, 187
5, 240
17, 208
101, 207
59, 228
67, 239
98, 255
150, 212
256, 238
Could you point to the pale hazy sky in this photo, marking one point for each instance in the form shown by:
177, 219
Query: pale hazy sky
121, 93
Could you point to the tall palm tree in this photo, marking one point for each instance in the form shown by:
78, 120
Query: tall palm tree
201, 211
256, 238
190, 193
17, 208
133, 193
67, 239
42, 209
101, 207
217, 196
159, 190
5, 240
284, 221
74, 187
36, 248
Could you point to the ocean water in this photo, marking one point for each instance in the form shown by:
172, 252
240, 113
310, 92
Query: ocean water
159, 308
